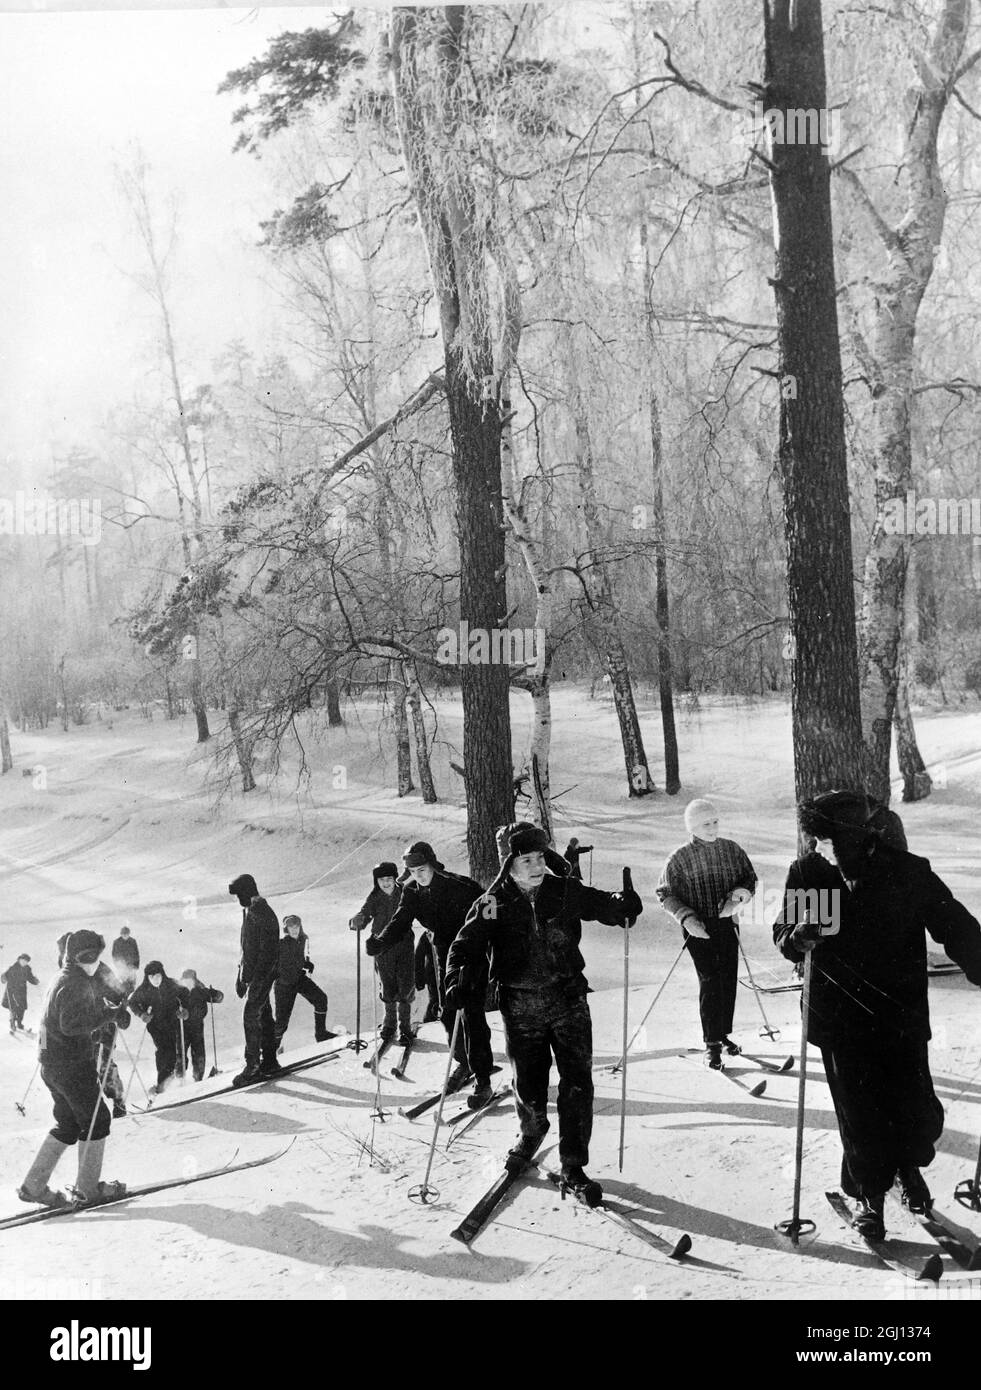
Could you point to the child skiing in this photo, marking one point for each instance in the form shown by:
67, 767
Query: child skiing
196, 1001
702, 886
396, 969
161, 1003
15, 981
530, 923
75, 1008
257, 971
295, 969
126, 958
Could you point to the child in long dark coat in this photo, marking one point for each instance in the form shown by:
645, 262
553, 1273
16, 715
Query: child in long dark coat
396, 969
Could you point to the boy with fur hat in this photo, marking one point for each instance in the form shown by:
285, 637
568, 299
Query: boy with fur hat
293, 978
396, 968
76, 1007
530, 923
161, 1004
15, 981
439, 901
257, 970
869, 1013
702, 885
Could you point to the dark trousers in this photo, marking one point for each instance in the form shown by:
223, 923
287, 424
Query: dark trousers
285, 994
425, 969
540, 1024
165, 1042
473, 1042
194, 1043
74, 1088
257, 1023
716, 963
888, 1114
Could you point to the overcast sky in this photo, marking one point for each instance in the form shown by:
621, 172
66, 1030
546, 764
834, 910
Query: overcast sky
77, 91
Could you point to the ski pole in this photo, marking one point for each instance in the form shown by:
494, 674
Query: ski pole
19, 1104
214, 1044
640, 1027
136, 1063
425, 1193
378, 1113
357, 1043
766, 1031
968, 1191
590, 866
129, 1054
628, 887
180, 1024
796, 1226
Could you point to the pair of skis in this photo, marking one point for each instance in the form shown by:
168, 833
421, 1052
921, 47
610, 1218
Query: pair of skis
289, 1070
48, 1213
400, 1067
937, 1226
768, 1064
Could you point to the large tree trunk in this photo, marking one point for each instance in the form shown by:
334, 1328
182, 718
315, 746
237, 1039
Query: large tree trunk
6, 759
639, 780
672, 772
402, 746
335, 719
428, 74
910, 247
917, 782
827, 730
419, 731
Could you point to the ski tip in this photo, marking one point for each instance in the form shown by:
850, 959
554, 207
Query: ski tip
758, 1089
788, 1064
682, 1247
460, 1235
931, 1271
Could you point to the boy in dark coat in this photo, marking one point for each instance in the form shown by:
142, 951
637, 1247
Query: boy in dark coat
530, 921
869, 1013
295, 969
16, 980
76, 1007
702, 885
161, 1004
196, 1001
257, 972
126, 957
439, 901
396, 968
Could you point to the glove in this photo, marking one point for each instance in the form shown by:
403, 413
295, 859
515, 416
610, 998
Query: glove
630, 905
144, 1018
308, 966
805, 936
453, 999
355, 926
372, 946
694, 926
241, 988
217, 997
183, 1014
118, 1014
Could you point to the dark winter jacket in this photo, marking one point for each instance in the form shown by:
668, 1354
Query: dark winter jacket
378, 909
871, 978
158, 1005
126, 952
293, 958
196, 1002
75, 1009
16, 979
259, 941
441, 908
517, 932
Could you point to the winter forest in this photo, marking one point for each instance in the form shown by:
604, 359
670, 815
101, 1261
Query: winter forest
541, 413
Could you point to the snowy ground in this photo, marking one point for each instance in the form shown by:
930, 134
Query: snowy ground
124, 831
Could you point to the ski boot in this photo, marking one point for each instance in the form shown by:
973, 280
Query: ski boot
457, 1078
713, 1056
481, 1094
247, 1076
914, 1193
405, 1040
576, 1181
42, 1196
869, 1220
732, 1048
270, 1067
118, 1110
521, 1152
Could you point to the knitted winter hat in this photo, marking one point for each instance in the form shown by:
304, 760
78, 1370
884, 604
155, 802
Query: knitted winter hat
386, 869
244, 888
419, 854
84, 947
698, 810
154, 968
